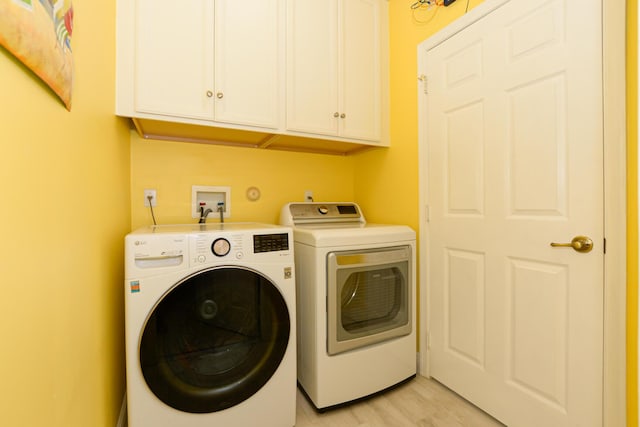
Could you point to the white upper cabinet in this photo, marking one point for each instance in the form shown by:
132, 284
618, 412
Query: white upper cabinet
202, 59
336, 68
306, 75
173, 58
312, 66
247, 62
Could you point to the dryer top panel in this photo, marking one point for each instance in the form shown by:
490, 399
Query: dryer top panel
334, 236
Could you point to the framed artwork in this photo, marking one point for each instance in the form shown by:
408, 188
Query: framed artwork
38, 33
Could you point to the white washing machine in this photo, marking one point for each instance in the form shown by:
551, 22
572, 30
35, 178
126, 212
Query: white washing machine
210, 329
356, 300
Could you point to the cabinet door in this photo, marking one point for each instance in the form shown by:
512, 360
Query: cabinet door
360, 69
174, 58
247, 59
312, 87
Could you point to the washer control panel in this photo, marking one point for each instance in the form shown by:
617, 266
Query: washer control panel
175, 247
215, 247
270, 242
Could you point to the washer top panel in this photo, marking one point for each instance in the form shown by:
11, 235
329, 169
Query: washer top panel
209, 227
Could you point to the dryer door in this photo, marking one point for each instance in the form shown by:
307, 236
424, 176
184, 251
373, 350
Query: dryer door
214, 340
369, 297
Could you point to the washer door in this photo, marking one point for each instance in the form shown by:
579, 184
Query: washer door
214, 340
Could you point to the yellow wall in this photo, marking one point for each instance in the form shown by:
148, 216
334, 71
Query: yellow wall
71, 186
632, 213
172, 168
64, 191
386, 183
378, 179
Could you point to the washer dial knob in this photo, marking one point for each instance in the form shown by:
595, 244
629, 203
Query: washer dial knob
220, 247
323, 210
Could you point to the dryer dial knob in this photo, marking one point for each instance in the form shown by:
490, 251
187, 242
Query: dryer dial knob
323, 210
220, 247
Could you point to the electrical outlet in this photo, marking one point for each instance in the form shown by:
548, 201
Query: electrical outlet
308, 196
154, 198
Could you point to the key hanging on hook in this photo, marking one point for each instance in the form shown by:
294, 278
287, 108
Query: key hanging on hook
419, 3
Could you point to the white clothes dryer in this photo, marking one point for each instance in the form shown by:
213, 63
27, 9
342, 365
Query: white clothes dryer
356, 300
210, 330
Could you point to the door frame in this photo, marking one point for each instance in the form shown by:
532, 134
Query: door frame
615, 203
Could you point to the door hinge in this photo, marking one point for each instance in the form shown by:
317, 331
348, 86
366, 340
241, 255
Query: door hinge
604, 245
427, 213
423, 79
428, 341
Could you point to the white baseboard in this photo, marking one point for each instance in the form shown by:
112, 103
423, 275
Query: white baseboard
122, 418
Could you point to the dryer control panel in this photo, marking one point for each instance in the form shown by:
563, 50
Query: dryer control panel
318, 213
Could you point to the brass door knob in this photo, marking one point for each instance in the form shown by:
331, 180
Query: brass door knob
578, 243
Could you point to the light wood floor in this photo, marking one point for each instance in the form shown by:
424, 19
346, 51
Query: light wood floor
420, 402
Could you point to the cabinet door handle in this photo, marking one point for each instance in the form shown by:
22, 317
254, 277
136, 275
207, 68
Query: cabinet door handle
343, 115
209, 94
336, 114
220, 95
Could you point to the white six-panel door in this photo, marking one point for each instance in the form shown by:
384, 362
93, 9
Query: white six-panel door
514, 152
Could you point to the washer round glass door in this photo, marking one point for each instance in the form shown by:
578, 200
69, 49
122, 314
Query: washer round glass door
214, 340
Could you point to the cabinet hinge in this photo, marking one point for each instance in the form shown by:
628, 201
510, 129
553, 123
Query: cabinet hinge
604, 245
